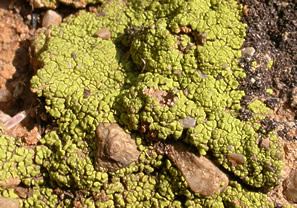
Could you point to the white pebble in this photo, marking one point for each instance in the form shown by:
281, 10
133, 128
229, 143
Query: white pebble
249, 51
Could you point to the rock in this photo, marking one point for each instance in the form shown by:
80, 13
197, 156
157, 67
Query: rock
187, 122
104, 34
236, 159
202, 175
4, 117
9, 183
51, 18
115, 148
9, 203
290, 186
248, 52
5, 96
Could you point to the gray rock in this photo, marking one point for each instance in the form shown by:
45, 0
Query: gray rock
51, 18
115, 148
187, 122
9, 203
202, 175
290, 186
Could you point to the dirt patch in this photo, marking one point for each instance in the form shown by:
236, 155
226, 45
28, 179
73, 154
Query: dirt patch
272, 73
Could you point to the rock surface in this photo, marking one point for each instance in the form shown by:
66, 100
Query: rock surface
115, 148
290, 186
51, 18
9, 203
201, 174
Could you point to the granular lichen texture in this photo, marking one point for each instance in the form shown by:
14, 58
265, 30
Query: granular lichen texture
161, 71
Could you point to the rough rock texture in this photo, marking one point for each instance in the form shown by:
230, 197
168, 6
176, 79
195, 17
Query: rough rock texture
290, 186
115, 148
9, 203
51, 18
202, 175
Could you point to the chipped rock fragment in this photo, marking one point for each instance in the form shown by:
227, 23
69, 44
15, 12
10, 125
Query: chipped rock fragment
51, 18
115, 148
201, 174
290, 186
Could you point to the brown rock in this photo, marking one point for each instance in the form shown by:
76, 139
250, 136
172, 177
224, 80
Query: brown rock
51, 18
236, 159
5, 96
32, 137
115, 148
290, 186
201, 174
104, 34
9, 183
9, 203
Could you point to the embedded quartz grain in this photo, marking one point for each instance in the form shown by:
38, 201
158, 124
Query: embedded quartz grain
201, 174
115, 148
187, 122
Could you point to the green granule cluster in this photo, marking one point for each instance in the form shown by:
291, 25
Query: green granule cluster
168, 71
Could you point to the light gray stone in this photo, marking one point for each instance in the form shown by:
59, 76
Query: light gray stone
187, 122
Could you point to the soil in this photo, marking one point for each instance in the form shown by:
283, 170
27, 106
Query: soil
271, 31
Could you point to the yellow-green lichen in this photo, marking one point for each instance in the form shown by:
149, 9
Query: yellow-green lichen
168, 71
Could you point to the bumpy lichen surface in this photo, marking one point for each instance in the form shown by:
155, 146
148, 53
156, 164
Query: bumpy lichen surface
168, 72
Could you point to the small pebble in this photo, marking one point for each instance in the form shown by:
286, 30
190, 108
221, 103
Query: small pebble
5, 96
103, 33
187, 122
51, 18
236, 159
249, 51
